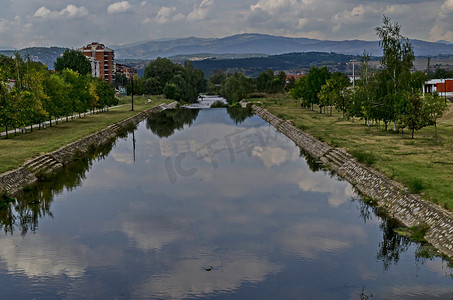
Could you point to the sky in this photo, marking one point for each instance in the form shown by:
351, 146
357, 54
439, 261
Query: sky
74, 23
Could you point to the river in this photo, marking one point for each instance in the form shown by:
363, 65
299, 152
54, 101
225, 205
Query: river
207, 204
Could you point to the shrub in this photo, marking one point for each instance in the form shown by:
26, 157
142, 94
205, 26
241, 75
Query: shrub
368, 158
415, 185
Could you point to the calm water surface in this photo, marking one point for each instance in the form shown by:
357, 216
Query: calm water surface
206, 204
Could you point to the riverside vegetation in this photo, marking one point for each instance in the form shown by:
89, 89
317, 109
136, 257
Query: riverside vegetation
18, 149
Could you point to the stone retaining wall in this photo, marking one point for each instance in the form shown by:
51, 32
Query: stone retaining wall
13, 181
409, 209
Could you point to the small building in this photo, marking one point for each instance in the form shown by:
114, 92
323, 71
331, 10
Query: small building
128, 71
442, 86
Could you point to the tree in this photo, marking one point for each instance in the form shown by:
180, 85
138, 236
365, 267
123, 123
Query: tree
309, 86
435, 107
6, 109
333, 92
236, 87
172, 91
57, 91
105, 93
79, 96
74, 60
414, 117
395, 76
162, 70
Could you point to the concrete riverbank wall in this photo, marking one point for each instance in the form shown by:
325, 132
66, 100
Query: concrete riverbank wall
13, 181
409, 209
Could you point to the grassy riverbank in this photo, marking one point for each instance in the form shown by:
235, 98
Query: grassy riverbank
422, 165
15, 150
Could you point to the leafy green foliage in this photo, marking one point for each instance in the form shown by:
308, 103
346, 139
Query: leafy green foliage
74, 60
38, 95
181, 83
236, 87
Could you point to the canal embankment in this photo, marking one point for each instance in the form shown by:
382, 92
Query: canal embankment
394, 198
13, 181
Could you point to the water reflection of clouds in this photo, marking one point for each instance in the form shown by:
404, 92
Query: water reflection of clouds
310, 238
153, 233
51, 255
123, 157
274, 156
188, 277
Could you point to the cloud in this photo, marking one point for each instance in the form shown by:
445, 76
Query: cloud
71, 11
164, 15
200, 12
51, 256
119, 7
309, 239
226, 276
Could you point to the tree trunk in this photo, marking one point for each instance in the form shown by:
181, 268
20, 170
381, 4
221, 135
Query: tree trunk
50, 121
435, 130
6, 127
31, 128
413, 133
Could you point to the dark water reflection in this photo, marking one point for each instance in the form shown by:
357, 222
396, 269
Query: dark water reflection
208, 206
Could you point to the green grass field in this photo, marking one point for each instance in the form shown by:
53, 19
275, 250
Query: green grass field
16, 150
419, 163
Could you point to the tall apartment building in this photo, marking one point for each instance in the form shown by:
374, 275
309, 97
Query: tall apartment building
102, 60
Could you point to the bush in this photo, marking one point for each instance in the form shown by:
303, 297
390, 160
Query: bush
368, 158
415, 185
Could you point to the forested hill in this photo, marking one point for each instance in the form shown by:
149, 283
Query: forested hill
42, 54
264, 44
291, 62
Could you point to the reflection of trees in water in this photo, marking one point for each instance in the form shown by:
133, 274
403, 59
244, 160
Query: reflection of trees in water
165, 124
34, 202
313, 163
392, 245
239, 114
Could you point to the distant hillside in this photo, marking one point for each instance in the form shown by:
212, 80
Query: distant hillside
265, 44
291, 63
45, 55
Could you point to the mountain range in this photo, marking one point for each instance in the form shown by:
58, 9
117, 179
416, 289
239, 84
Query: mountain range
265, 44
237, 46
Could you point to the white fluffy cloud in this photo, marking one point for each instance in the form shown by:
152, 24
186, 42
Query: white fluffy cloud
119, 7
200, 12
164, 15
71, 11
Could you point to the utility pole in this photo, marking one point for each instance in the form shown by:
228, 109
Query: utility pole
132, 92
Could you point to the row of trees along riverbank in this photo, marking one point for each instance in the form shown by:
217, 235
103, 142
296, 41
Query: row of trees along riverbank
38, 95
